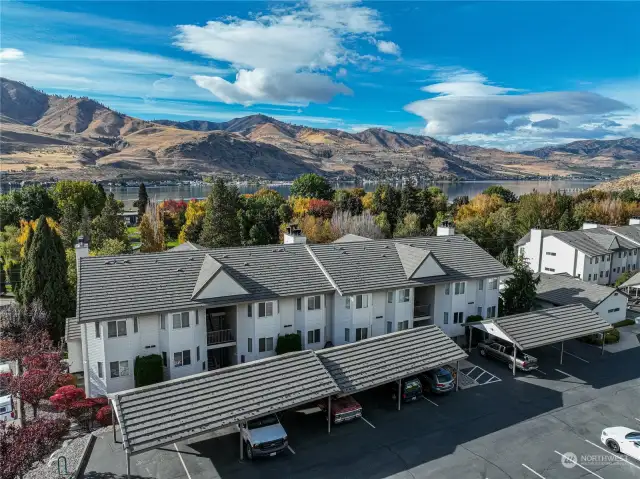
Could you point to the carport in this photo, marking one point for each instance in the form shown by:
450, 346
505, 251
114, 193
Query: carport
180, 409
544, 327
391, 357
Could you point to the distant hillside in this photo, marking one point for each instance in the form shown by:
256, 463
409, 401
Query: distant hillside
621, 184
62, 137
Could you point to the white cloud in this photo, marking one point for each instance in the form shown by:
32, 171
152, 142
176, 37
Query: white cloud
11, 54
390, 48
273, 52
267, 86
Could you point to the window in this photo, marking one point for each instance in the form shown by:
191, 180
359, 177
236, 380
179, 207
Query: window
265, 309
458, 288
197, 320
493, 283
163, 322
549, 269
182, 358
601, 273
446, 318
596, 260
403, 295
347, 335
347, 302
608, 257
480, 284
491, 312
447, 287
135, 324
299, 304
313, 337
164, 359
119, 368
614, 310
313, 303
249, 310
389, 296
97, 324
116, 329
100, 370
389, 327
250, 344
602, 258
590, 260
623, 269
550, 253
606, 274
362, 301
402, 325
197, 353
589, 278
479, 312
180, 320
265, 344
619, 254
458, 317
361, 333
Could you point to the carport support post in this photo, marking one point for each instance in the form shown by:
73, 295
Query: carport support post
241, 443
515, 350
399, 393
561, 351
470, 337
329, 415
604, 335
113, 420
458, 373
128, 464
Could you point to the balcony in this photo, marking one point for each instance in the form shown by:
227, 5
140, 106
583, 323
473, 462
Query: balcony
219, 336
422, 311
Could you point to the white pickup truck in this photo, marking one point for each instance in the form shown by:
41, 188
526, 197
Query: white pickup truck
264, 437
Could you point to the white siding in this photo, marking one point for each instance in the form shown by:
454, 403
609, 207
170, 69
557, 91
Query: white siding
558, 257
95, 352
613, 309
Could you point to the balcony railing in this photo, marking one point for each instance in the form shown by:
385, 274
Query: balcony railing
219, 336
422, 311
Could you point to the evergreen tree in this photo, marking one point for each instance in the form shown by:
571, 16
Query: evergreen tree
220, 226
141, 202
109, 224
409, 201
85, 225
21, 272
102, 192
408, 227
69, 225
44, 276
519, 293
311, 185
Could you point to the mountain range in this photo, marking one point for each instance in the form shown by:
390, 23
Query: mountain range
58, 137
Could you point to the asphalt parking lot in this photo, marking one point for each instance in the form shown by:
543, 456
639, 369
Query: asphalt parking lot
525, 427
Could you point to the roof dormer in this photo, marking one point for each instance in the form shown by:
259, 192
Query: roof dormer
214, 282
418, 263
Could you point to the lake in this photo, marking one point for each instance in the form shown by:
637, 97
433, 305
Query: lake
452, 190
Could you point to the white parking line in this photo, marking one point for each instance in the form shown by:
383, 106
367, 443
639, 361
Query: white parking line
541, 371
482, 373
182, 461
570, 354
362, 417
578, 464
613, 454
425, 397
531, 470
636, 419
292, 451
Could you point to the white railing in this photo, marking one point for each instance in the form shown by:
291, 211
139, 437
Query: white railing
220, 336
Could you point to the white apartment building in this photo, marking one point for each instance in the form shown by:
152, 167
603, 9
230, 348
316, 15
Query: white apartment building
201, 309
598, 254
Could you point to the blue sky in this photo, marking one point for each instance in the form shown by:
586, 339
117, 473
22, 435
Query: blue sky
513, 75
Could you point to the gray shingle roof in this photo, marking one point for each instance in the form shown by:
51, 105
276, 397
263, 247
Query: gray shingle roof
174, 410
582, 242
562, 289
72, 329
121, 286
186, 246
552, 325
383, 359
633, 281
526, 238
411, 258
631, 234
350, 238
376, 265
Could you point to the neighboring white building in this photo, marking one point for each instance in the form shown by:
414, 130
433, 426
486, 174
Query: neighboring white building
562, 289
201, 309
598, 254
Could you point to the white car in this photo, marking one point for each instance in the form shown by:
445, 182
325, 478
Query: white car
622, 439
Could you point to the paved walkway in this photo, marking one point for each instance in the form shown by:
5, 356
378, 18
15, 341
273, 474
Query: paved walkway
628, 339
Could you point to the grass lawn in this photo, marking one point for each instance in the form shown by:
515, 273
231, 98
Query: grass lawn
172, 243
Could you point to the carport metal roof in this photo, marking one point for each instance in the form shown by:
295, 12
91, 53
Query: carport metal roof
383, 359
546, 326
179, 409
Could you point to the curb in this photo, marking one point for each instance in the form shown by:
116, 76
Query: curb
79, 472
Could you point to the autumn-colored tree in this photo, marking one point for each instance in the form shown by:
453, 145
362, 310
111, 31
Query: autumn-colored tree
321, 208
299, 205
317, 230
481, 205
173, 214
367, 201
152, 230
22, 447
194, 215
409, 227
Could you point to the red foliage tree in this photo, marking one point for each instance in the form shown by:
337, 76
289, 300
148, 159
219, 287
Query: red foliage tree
73, 401
65, 396
321, 208
21, 447
103, 416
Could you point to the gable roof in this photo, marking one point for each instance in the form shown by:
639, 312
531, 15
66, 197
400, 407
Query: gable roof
562, 289
582, 242
629, 236
186, 246
604, 239
376, 265
527, 237
633, 281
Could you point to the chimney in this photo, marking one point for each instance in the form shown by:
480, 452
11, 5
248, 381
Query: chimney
587, 225
446, 228
294, 235
634, 221
82, 249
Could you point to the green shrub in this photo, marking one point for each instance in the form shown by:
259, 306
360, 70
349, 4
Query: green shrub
474, 318
289, 343
610, 337
624, 322
148, 370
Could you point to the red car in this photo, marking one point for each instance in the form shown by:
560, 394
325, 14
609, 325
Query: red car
343, 409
